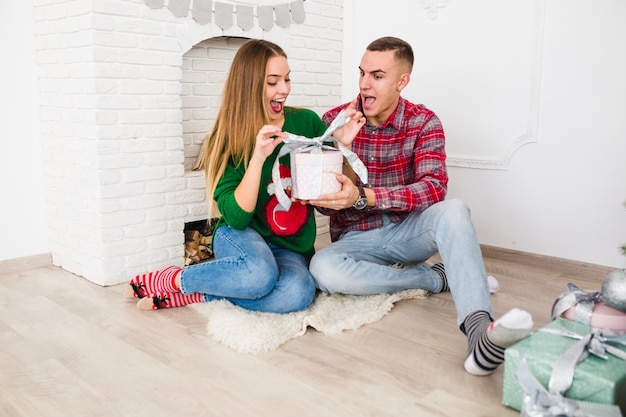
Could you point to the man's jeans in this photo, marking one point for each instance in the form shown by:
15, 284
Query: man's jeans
360, 262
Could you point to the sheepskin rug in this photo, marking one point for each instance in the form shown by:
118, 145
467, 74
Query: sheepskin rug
253, 332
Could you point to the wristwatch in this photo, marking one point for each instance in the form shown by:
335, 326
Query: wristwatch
361, 201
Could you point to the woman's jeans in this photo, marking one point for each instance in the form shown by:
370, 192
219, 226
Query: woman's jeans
252, 274
360, 262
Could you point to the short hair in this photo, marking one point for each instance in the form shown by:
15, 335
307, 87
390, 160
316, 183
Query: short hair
402, 49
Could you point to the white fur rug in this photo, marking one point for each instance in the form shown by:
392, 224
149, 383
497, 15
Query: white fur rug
252, 332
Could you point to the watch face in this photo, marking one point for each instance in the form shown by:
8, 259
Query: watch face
360, 203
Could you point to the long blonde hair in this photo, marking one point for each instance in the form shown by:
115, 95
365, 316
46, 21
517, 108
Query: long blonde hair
242, 113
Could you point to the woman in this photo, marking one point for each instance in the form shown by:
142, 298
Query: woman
261, 253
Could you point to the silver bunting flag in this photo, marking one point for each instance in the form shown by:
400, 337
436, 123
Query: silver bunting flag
179, 8
265, 14
155, 4
283, 16
223, 15
202, 10
245, 17
297, 11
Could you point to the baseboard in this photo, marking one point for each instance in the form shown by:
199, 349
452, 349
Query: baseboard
45, 259
25, 263
520, 257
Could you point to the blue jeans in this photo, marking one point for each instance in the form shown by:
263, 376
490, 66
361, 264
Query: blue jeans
359, 262
252, 274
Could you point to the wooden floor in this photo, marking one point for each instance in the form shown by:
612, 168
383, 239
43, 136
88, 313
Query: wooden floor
71, 348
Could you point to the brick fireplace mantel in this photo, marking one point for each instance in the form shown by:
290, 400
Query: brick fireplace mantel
120, 121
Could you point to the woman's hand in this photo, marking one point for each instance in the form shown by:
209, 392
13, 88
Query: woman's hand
268, 138
247, 191
348, 132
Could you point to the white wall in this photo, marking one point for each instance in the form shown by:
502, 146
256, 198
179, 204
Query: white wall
561, 193
23, 225
559, 196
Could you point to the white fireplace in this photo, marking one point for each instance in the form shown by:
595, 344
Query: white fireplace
129, 89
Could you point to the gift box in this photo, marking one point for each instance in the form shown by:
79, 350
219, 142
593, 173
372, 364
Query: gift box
602, 317
596, 380
314, 172
588, 307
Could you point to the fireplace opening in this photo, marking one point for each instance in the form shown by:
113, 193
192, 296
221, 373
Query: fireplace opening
198, 235
204, 71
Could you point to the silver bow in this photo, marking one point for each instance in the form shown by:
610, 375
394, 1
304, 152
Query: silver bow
298, 143
582, 301
541, 403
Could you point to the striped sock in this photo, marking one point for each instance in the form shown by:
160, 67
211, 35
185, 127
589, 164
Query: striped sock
168, 300
152, 282
487, 341
438, 268
493, 283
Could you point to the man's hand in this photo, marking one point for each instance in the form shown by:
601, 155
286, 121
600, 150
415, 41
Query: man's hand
342, 199
348, 132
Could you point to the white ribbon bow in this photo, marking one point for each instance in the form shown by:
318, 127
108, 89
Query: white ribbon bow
298, 143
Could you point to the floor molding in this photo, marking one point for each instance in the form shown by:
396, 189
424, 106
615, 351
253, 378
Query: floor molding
25, 263
45, 259
520, 257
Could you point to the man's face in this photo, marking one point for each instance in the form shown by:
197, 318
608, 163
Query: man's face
381, 81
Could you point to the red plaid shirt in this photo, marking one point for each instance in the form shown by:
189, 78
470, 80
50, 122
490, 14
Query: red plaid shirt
405, 158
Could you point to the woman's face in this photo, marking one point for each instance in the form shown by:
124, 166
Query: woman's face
277, 86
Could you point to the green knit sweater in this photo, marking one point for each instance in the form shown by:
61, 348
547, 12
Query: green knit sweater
295, 229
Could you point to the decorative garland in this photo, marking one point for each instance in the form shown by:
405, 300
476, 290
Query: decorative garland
202, 11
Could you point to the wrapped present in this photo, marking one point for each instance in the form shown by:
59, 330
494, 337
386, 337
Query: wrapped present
602, 317
539, 402
569, 359
588, 307
314, 172
300, 144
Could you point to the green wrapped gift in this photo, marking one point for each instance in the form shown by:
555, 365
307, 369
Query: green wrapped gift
595, 380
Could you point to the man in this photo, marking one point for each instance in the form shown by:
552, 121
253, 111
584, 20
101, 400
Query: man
401, 218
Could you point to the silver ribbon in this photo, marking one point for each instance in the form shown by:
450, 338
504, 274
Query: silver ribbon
582, 301
541, 403
295, 143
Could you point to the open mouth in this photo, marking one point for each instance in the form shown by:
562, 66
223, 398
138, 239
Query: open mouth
277, 105
368, 101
